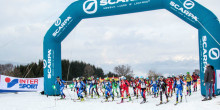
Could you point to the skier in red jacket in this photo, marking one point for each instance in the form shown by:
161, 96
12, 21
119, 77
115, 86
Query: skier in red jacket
124, 88
195, 78
170, 86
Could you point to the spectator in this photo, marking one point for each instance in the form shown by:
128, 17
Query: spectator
213, 85
208, 81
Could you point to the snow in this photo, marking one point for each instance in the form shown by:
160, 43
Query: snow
36, 101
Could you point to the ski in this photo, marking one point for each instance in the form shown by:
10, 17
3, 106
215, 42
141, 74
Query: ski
107, 101
143, 102
120, 102
159, 104
60, 99
166, 102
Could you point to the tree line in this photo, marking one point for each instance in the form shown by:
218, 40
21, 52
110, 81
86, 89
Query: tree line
70, 70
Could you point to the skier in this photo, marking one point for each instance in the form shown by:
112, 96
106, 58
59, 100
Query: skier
93, 87
162, 88
179, 85
148, 86
108, 89
143, 89
73, 84
154, 85
124, 87
80, 86
170, 86
114, 87
195, 78
133, 86
138, 86
61, 83
189, 82
85, 85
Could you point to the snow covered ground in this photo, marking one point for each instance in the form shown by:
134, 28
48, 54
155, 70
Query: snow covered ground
36, 101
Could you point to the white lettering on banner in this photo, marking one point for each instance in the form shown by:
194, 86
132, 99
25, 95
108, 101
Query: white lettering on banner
112, 2
182, 10
91, 6
188, 4
61, 26
218, 79
49, 64
204, 46
214, 53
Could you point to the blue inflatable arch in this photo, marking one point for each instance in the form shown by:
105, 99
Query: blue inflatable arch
188, 10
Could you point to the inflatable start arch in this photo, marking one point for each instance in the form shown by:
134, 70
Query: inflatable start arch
188, 10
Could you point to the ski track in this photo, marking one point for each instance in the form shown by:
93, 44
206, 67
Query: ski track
36, 101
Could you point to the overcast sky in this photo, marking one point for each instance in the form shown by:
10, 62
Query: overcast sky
156, 40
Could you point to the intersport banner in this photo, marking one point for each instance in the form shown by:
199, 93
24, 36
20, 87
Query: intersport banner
8, 84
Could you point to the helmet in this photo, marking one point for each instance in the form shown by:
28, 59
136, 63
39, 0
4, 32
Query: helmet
124, 78
187, 73
92, 76
97, 78
141, 77
77, 78
158, 77
147, 78
89, 78
178, 77
136, 77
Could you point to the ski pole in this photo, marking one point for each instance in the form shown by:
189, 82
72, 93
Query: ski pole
69, 94
54, 88
185, 95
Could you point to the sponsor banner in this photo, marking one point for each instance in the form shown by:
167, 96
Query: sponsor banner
218, 79
21, 84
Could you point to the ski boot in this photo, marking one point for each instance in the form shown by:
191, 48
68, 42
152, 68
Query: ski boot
106, 99
181, 99
129, 98
82, 99
112, 98
122, 100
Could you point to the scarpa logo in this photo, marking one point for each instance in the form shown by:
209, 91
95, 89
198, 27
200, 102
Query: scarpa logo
49, 64
58, 22
214, 53
61, 25
204, 55
177, 7
10, 83
90, 6
44, 63
188, 4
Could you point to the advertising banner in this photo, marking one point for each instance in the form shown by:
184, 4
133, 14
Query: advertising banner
8, 83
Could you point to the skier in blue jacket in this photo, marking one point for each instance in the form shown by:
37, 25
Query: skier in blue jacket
179, 85
108, 89
80, 88
61, 83
154, 85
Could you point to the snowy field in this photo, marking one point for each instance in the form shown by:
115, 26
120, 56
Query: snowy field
36, 101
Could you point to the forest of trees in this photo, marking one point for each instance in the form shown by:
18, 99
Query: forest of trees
33, 70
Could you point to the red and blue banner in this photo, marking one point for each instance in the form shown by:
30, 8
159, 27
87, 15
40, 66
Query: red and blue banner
13, 84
